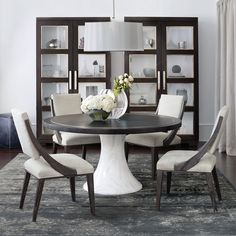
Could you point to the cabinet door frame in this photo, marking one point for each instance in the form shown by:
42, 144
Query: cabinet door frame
191, 22
80, 22
147, 21
72, 24
40, 80
161, 23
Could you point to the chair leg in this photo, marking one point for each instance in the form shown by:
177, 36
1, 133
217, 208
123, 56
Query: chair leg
211, 189
127, 152
159, 188
91, 193
168, 183
72, 188
38, 198
54, 148
154, 153
84, 150
24, 190
217, 186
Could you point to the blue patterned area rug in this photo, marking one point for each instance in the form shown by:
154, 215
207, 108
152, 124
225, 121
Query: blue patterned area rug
186, 211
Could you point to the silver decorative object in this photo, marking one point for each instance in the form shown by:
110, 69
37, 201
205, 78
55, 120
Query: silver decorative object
142, 101
182, 44
95, 68
54, 43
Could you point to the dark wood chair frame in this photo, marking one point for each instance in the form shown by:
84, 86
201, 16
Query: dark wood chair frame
212, 179
59, 138
64, 170
154, 150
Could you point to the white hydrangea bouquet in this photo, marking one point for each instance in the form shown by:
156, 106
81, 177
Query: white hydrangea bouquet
122, 82
98, 107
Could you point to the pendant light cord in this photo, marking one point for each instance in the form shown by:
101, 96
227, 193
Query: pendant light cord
113, 17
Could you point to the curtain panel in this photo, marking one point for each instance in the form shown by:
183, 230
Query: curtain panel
226, 71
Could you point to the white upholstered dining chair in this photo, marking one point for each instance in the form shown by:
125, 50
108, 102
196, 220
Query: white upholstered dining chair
169, 105
66, 104
44, 166
201, 161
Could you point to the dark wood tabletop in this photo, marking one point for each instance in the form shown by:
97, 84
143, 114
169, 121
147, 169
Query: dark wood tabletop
127, 124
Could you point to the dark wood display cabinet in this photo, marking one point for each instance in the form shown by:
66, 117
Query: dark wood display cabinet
63, 66
168, 65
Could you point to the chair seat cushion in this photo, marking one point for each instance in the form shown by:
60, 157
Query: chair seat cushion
168, 160
69, 139
41, 169
151, 139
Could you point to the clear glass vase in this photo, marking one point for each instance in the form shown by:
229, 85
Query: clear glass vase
122, 103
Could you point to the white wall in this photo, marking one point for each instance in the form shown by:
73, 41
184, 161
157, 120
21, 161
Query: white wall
17, 44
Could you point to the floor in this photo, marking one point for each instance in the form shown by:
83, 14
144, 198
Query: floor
226, 164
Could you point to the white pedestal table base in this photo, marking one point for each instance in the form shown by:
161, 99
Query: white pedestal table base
112, 176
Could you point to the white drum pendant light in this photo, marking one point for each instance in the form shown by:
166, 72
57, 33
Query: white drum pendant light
113, 36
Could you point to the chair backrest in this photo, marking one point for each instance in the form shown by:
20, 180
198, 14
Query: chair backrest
66, 104
211, 145
224, 111
171, 105
27, 145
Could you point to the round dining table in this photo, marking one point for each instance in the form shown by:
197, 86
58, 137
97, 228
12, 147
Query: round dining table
112, 175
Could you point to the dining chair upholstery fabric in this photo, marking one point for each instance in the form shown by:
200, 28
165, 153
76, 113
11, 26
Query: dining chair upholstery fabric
70, 139
171, 158
151, 139
66, 104
224, 113
41, 169
169, 105
25, 140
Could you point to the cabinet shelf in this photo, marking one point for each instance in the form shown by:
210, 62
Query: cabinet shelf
53, 79
81, 51
180, 80
142, 108
92, 79
145, 80
54, 51
189, 108
46, 108
180, 51
150, 50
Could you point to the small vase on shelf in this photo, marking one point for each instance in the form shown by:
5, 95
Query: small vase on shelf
142, 100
